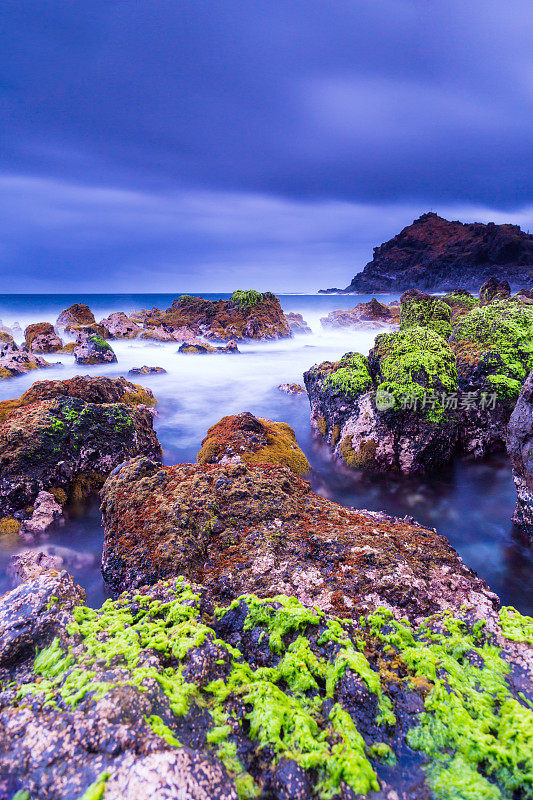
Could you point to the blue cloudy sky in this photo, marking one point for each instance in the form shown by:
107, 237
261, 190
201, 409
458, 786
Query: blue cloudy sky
173, 145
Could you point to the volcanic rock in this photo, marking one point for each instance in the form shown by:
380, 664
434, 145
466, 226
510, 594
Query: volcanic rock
42, 338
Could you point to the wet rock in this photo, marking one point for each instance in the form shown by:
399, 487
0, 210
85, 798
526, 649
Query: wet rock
182, 773
119, 326
54, 441
364, 316
159, 334
297, 323
29, 564
264, 697
33, 613
75, 315
520, 448
258, 528
16, 360
147, 371
42, 338
385, 413
246, 315
252, 440
422, 310
92, 349
292, 388
494, 289
198, 347
45, 512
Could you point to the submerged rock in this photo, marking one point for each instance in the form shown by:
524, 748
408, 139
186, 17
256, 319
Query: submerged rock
45, 512
64, 437
147, 371
119, 326
520, 448
196, 346
243, 438
364, 316
92, 349
292, 388
42, 338
258, 528
158, 694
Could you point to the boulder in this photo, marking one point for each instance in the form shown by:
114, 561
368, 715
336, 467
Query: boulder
160, 694
520, 449
388, 413
259, 528
16, 360
493, 345
364, 316
52, 440
292, 388
196, 346
119, 326
147, 371
29, 564
92, 349
45, 512
159, 334
494, 289
297, 323
243, 438
419, 309
42, 338
245, 315
75, 315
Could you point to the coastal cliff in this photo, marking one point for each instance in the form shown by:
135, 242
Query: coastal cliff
437, 255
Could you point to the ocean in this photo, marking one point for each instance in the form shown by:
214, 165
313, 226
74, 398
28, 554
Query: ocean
470, 503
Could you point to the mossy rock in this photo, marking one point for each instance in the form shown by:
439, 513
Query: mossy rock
419, 309
9, 526
494, 347
351, 377
253, 440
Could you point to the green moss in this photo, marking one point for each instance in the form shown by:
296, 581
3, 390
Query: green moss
162, 730
516, 626
352, 378
247, 298
477, 735
22, 794
96, 790
463, 300
426, 313
100, 342
502, 334
416, 363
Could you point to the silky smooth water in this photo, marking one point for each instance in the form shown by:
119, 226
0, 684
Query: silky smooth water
471, 504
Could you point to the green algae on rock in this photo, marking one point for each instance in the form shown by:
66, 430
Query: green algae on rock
274, 691
419, 309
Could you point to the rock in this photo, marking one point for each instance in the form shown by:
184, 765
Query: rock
292, 388
520, 449
195, 346
42, 338
54, 441
159, 334
16, 360
252, 440
32, 614
5, 337
258, 528
525, 296
92, 349
494, 351
421, 309
183, 773
461, 301
297, 323
69, 348
185, 334
147, 371
29, 564
158, 695
45, 512
386, 413
246, 315
75, 315
364, 316
436, 255
494, 289
119, 326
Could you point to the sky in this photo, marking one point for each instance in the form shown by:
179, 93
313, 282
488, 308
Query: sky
187, 145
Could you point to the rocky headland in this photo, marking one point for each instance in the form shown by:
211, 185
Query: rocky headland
437, 255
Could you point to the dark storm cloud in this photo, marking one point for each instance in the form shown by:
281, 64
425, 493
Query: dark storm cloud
308, 105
